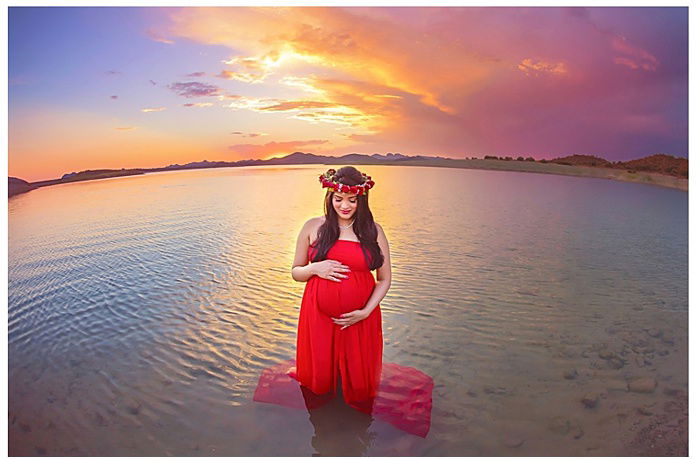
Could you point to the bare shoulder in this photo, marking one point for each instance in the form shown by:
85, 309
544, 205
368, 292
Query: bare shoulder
312, 226
314, 222
380, 230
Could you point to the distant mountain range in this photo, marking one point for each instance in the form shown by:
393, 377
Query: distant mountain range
664, 164
300, 158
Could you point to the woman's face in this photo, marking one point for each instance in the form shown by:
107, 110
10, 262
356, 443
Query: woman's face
345, 204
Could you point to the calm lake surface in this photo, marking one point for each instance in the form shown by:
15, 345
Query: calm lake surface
142, 310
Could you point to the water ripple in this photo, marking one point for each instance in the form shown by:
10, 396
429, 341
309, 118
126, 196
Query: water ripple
141, 311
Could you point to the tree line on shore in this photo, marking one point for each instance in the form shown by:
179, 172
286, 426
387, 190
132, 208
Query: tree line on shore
660, 163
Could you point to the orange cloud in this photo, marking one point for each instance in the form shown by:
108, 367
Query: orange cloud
298, 104
636, 57
626, 62
349, 103
440, 80
534, 68
240, 76
157, 109
347, 119
356, 45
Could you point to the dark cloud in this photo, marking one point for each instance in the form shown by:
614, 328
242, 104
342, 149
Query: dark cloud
194, 89
250, 134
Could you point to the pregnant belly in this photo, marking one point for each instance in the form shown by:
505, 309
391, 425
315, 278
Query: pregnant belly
336, 298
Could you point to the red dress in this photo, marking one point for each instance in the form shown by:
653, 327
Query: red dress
324, 351
394, 393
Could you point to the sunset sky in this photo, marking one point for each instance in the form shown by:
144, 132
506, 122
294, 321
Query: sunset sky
95, 88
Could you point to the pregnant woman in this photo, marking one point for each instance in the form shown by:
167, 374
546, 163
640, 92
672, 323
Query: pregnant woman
340, 327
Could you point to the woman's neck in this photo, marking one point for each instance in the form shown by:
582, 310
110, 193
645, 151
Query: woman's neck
345, 222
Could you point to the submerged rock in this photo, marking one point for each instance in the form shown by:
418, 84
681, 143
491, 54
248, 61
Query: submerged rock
571, 374
590, 400
559, 425
606, 355
513, 442
133, 406
654, 332
643, 385
100, 420
496, 390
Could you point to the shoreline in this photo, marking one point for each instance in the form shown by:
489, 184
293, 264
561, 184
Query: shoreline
623, 175
650, 178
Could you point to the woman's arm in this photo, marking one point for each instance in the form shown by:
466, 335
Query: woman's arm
301, 271
380, 288
383, 274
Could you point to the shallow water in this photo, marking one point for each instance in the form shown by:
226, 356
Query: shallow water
142, 310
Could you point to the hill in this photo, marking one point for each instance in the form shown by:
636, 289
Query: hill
659, 163
17, 185
663, 164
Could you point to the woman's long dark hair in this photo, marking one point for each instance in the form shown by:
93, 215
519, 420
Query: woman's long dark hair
363, 226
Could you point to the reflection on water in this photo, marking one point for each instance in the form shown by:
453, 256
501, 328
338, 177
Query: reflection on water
550, 311
339, 430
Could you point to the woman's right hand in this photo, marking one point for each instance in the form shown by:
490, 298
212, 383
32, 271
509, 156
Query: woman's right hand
331, 270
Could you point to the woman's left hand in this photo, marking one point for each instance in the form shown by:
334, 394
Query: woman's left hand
350, 318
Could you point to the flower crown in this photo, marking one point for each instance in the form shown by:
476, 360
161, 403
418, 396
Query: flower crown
328, 180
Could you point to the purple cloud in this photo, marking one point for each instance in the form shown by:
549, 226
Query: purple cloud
194, 89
